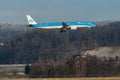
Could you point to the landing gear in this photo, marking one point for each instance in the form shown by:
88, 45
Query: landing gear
63, 30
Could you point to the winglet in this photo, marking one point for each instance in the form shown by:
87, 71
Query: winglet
30, 20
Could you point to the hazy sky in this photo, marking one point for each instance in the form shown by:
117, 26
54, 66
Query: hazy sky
15, 11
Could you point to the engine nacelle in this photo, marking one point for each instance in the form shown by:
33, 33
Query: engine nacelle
30, 25
73, 28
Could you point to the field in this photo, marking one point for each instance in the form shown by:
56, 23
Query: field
99, 78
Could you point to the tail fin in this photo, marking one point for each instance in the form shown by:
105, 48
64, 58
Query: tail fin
30, 20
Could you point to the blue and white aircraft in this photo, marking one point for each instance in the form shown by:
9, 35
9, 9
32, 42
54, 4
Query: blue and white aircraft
63, 26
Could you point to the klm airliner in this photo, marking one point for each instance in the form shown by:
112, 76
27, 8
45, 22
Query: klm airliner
63, 26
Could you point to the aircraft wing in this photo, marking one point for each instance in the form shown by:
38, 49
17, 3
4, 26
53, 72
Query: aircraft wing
64, 25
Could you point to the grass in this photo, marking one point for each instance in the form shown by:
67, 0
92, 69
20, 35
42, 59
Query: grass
98, 78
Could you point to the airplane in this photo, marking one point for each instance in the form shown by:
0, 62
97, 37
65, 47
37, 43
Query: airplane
63, 26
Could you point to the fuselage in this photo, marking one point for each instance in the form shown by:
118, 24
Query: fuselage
54, 25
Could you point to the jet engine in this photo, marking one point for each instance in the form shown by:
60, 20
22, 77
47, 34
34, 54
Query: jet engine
73, 28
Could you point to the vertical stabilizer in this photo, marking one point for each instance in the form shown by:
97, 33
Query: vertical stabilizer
30, 20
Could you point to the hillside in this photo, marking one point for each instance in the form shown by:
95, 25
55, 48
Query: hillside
104, 51
29, 46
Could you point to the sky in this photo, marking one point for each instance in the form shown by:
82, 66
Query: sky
15, 11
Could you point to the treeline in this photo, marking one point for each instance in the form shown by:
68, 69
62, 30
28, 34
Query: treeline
7, 31
77, 66
38, 44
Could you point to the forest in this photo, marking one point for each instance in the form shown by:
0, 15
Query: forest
77, 66
34, 45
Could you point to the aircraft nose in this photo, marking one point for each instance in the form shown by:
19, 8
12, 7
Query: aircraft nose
94, 25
